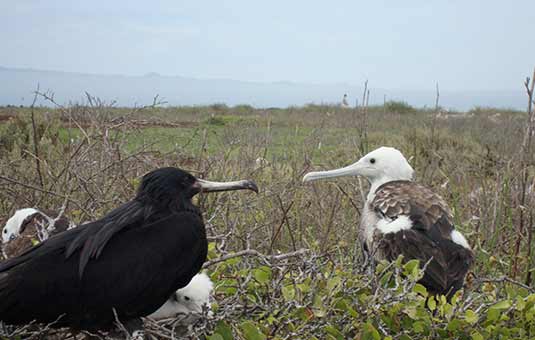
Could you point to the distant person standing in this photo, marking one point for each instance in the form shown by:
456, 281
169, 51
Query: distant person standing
345, 104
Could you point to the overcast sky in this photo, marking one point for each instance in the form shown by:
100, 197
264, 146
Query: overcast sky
464, 45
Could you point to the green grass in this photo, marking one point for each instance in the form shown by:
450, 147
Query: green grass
471, 160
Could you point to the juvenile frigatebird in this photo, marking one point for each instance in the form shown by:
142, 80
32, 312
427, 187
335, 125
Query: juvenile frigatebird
29, 226
402, 217
124, 265
190, 299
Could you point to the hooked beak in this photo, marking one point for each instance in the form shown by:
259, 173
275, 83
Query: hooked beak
208, 186
355, 169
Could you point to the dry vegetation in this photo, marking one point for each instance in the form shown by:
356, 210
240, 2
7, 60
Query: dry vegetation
301, 274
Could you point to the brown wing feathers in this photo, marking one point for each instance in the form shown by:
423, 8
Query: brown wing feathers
422, 205
428, 238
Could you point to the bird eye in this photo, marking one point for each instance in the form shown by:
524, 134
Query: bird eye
186, 298
372, 160
5, 231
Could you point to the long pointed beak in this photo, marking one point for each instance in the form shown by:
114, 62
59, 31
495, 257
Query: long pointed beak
208, 186
350, 170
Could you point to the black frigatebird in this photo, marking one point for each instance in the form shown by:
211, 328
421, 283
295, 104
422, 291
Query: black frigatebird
124, 265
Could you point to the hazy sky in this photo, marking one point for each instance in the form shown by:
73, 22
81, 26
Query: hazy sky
464, 45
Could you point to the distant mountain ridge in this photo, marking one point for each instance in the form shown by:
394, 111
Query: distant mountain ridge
17, 86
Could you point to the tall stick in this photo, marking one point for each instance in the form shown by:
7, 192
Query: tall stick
434, 121
363, 128
437, 98
36, 141
525, 154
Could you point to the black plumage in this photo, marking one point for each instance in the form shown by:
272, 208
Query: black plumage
130, 261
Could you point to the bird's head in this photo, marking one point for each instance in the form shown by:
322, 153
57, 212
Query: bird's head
195, 295
382, 165
17, 223
170, 184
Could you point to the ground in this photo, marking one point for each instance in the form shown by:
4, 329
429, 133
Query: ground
90, 158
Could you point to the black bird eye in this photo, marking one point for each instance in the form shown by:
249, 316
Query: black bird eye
5, 231
186, 298
372, 160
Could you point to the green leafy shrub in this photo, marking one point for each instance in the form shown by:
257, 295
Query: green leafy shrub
222, 120
328, 301
398, 107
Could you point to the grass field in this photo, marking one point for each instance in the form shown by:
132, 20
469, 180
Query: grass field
90, 159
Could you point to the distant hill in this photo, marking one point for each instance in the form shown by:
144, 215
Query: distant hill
17, 86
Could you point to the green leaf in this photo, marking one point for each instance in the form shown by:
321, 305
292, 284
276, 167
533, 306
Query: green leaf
411, 268
344, 305
224, 330
420, 289
453, 325
251, 331
212, 250
288, 292
319, 312
471, 317
443, 300
262, 274
271, 319
334, 284
501, 305
520, 303
477, 336
334, 332
418, 326
455, 298
385, 279
215, 336
380, 267
493, 314
304, 286
432, 303
370, 333
411, 312
399, 261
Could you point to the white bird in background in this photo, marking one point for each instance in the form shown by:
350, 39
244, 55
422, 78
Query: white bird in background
402, 217
190, 299
12, 227
29, 226
344, 101
261, 162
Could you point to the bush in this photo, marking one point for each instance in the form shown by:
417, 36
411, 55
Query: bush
222, 120
399, 107
326, 301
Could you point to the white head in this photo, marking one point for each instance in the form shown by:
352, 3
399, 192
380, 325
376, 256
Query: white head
378, 167
196, 293
189, 299
12, 228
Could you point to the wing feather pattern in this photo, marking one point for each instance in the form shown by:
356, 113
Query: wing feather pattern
428, 239
96, 235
